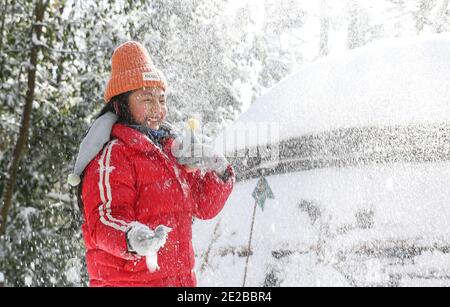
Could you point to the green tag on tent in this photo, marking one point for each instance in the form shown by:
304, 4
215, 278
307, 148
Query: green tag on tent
262, 192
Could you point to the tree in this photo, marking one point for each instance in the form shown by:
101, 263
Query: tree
42, 244
442, 19
36, 32
43, 235
324, 30
186, 41
358, 26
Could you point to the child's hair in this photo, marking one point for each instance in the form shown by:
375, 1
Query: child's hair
123, 110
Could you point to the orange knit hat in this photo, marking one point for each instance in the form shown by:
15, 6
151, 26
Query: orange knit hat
131, 69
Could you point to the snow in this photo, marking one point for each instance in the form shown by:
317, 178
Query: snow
25, 215
28, 280
37, 42
405, 243
59, 197
151, 256
73, 271
391, 82
361, 225
73, 275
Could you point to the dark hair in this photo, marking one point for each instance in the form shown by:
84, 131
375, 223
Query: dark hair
123, 108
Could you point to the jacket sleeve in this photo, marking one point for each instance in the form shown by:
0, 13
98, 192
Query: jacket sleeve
108, 196
210, 192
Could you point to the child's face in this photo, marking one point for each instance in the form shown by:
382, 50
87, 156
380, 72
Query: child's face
148, 106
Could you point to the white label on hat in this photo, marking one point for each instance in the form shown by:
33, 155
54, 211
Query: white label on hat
150, 76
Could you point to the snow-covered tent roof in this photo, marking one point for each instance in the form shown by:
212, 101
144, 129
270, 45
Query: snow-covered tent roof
387, 83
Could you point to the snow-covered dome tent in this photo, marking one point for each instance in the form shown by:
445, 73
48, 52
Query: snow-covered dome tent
360, 176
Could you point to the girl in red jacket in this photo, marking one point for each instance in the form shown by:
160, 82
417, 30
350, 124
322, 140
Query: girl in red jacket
140, 192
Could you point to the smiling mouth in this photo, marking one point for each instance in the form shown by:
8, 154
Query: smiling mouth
153, 121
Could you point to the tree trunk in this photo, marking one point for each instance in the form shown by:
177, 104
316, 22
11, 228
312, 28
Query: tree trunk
324, 32
2, 24
2, 34
39, 11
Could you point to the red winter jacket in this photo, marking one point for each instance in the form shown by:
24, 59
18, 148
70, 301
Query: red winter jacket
131, 179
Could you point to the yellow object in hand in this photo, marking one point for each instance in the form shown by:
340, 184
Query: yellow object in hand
193, 123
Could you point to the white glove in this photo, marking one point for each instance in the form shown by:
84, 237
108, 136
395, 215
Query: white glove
146, 242
193, 150
203, 156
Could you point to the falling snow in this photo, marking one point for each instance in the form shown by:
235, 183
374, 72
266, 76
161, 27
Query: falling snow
341, 105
